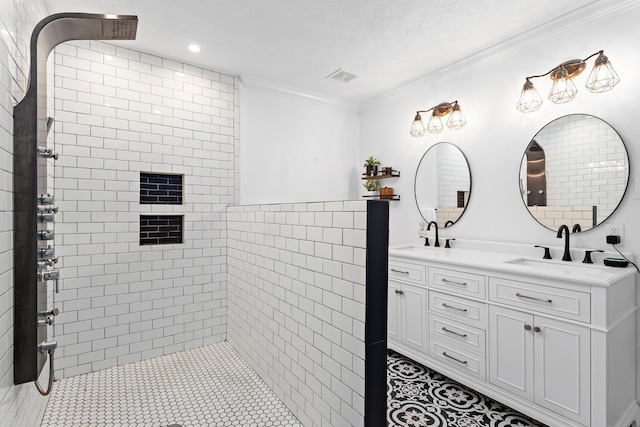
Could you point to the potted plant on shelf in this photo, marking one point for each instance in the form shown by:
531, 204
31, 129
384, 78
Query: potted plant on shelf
371, 186
371, 165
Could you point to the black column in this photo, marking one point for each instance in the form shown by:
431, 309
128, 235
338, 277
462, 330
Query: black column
375, 396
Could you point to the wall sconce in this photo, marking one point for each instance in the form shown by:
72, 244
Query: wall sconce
602, 78
434, 125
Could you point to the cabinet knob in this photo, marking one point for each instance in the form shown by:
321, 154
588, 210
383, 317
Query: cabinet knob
527, 327
536, 329
399, 292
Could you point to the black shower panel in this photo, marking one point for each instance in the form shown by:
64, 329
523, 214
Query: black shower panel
33, 208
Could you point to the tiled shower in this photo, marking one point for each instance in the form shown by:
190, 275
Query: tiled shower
121, 114
122, 117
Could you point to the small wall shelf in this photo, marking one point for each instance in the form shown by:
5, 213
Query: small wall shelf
378, 176
378, 197
393, 174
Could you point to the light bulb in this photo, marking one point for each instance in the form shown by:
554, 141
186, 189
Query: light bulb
530, 99
417, 127
563, 89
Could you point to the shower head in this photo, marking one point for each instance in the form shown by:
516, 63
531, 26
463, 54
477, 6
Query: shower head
62, 27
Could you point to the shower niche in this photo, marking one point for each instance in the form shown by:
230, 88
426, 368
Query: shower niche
35, 273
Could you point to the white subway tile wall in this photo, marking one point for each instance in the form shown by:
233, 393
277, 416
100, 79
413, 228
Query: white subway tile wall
296, 304
555, 216
17, 20
444, 214
453, 176
118, 113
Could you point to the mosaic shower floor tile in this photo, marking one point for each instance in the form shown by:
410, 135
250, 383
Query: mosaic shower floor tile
206, 386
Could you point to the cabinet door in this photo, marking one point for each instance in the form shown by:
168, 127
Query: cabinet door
562, 368
393, 311
414, 317
511, 351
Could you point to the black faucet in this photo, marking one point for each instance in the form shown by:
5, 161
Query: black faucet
448, 223
576, 228
567, 255
437, 243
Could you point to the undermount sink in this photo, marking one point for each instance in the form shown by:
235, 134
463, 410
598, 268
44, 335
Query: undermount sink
558, 267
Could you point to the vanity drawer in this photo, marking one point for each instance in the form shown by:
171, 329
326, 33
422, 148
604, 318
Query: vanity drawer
472, 313
473, 285
559, 302
458, 358
464, 336
407, 272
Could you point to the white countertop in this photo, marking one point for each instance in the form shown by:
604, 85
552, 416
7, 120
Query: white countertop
519, 259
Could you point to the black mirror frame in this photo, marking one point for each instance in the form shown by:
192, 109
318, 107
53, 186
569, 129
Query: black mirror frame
415, 182
624, 193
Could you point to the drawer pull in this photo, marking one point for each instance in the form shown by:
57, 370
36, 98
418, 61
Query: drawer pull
444, 353
518, 294
445, 305
454, 332
399, 292
399, 271
536, 329
527, 327
453, 282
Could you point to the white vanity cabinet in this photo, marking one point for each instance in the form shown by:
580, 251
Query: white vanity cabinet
542, 360
555, 346
457, 320
407, 306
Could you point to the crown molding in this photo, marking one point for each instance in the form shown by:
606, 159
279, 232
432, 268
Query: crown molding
266, 86
584, 17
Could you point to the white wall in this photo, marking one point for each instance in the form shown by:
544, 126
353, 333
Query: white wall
17, 20
118, 113
295, 147
496, 135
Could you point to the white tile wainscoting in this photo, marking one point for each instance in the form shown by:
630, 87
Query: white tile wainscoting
296, 304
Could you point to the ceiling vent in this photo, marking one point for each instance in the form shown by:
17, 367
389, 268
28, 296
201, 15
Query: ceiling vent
342, 76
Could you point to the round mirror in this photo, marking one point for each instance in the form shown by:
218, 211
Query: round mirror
443, 184
575, 172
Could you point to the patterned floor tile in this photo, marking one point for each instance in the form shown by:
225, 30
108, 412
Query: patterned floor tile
418, 396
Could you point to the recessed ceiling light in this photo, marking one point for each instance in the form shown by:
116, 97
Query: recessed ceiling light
342, 76
194, 48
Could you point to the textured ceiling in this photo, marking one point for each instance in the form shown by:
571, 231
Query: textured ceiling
298, 43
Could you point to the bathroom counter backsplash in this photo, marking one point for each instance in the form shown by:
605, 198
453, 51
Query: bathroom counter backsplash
521, 259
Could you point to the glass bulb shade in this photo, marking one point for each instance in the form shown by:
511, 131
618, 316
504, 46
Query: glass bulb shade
603, 77
530, 99
563, 89
417, 127
456, 118
435, 124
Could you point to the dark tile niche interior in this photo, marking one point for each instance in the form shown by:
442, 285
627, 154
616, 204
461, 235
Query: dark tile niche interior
160, 229
160, 189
